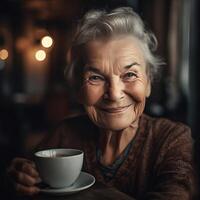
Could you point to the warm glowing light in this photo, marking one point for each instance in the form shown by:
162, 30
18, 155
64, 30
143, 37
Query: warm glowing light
47, 41
3, 54
40, 55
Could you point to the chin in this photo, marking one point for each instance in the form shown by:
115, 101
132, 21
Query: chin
116, 125
115, 128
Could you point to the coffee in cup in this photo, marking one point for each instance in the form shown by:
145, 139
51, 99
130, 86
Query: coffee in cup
59, 167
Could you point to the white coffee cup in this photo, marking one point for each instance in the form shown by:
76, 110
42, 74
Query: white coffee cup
59, 167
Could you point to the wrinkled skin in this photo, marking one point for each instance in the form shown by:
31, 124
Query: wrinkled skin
115, 82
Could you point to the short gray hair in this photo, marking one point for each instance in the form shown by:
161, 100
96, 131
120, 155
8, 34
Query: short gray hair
98, 24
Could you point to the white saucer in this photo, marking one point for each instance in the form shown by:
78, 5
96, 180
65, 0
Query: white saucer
83, 182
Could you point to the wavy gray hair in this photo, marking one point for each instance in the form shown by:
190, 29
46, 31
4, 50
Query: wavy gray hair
98, 24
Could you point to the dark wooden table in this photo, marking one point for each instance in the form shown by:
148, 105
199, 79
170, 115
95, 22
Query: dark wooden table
96, 192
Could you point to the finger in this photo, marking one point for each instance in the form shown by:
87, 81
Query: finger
24, 165
24, 178
18, 162
24, 190
30, 170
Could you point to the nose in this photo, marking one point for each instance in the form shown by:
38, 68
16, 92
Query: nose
114, 90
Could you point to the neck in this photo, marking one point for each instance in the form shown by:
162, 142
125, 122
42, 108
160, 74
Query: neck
112, 143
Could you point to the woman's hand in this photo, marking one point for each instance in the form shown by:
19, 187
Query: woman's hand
24, 175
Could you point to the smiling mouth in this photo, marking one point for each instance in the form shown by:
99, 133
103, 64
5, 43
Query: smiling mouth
115, 110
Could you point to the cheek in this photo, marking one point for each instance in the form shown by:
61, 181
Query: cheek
137, 91
90, 95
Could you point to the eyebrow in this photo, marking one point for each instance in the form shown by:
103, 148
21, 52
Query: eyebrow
132, 64
95, 70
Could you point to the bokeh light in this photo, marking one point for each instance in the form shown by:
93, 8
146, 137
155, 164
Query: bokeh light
3, 54
40, 55
47, 41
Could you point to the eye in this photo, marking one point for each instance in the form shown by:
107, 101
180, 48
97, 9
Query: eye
129, 76
96, 79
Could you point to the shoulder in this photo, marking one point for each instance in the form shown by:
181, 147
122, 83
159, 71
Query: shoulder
163, 125
77, 124
171, 149
164, 130
168, 141
70, 133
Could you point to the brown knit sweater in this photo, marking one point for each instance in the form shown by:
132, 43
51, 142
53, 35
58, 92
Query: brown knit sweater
159, 163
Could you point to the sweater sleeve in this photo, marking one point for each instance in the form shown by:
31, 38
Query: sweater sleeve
173, 170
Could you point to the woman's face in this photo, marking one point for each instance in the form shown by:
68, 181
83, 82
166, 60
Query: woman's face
115, 84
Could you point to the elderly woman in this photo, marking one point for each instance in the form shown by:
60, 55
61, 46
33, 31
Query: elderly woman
111, 68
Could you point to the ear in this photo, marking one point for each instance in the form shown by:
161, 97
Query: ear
148, 89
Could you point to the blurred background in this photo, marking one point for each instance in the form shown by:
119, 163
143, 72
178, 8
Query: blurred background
34, 39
